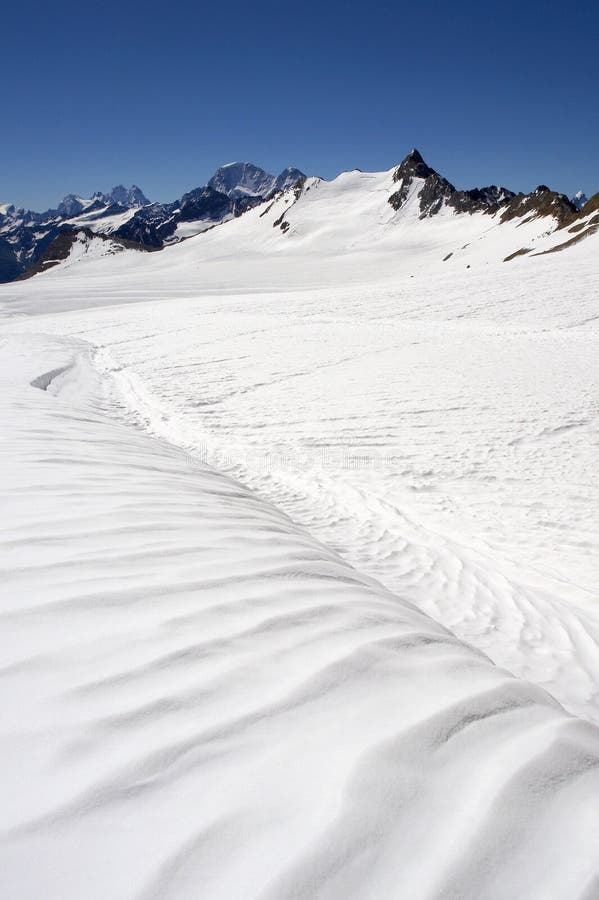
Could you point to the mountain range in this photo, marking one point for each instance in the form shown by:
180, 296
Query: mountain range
127, 215
124, 218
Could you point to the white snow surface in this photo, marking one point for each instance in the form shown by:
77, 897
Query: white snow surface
86, 249
95, 221
186, 230
276, 502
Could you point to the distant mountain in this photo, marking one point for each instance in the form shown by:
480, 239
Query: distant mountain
25, 235
128, 215
579, 199
132, 196
242, 179
232, 190
413, 190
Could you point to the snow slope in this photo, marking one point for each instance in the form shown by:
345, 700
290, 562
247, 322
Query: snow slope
208, 699
209, 694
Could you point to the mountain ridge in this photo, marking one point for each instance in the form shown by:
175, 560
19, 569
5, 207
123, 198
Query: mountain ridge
126, 215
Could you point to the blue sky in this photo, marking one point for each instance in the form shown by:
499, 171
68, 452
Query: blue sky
160, 94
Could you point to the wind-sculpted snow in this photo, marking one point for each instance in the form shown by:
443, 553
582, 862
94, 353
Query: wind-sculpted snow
199, 699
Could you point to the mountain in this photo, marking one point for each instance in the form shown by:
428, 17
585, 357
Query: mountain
579, 199
132, 196
232, 191
127, 215
436, 191
25, 235
74, 244
242, 179
410, 192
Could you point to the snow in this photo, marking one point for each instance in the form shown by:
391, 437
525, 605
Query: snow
256, 478
87, 249
186, 230
208, 696
96, 221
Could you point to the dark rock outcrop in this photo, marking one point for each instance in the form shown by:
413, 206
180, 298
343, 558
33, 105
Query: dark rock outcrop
60, 248
413, 166
9, 262
487, 199
437, 191
542, 202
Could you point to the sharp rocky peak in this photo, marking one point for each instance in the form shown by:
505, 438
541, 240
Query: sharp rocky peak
413, 166
437, 192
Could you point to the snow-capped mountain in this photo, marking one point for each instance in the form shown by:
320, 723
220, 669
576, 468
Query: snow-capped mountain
243, 179
409, 193
232, 190
25, 235
127, 214
132, 196
579, 199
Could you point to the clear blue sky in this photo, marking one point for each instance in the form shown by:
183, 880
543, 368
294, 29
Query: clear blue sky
160, 94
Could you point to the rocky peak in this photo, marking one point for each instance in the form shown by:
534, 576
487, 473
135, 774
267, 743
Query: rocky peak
132, 196
541, 202
288, 178
413, 166
437, 191
243, 179
70, 206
